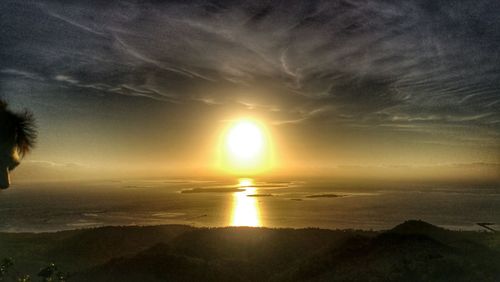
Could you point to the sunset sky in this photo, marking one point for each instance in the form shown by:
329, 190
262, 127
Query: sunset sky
341, 88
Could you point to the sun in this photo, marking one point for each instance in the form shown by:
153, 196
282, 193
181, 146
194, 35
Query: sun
245, 147
245, 140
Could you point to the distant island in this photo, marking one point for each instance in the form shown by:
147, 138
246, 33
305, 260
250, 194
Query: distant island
213, 190
260, 195
411, 251
327, 195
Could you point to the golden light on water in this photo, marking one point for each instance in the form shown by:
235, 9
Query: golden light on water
245, 148
245, 210
245, 182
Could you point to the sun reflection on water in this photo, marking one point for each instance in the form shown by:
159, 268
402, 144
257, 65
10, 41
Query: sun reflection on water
245, 210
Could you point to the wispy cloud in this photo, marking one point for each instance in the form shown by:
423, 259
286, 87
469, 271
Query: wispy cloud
402, 65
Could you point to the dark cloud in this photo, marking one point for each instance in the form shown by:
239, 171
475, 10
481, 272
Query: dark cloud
419, 65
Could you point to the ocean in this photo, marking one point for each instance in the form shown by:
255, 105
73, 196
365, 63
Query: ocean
42, 207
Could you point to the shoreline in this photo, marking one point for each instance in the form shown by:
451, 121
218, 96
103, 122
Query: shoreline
473, 228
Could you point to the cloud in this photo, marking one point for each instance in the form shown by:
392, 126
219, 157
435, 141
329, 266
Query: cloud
21, 73
412, 65
65, 78
74, 23
38, 170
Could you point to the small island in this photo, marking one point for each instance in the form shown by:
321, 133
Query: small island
212, 190
328, 195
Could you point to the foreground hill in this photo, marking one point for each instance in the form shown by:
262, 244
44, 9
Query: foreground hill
412, 251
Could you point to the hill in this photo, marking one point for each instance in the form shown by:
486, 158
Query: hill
411, 251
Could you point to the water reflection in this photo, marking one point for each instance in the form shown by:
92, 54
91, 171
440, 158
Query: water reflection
245, 211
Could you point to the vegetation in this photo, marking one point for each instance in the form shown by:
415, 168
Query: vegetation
412, 251
49, 273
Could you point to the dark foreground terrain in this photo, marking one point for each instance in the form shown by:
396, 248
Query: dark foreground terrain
412, 251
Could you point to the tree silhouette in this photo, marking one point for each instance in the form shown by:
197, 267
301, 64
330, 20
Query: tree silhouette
17, 137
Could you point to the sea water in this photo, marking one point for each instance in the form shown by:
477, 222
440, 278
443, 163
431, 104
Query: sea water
40, 207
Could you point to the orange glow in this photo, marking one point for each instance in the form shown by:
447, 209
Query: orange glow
245, 148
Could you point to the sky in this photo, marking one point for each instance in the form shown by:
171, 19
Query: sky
380, 88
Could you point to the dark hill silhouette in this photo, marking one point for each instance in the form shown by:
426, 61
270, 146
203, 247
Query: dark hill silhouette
412, 251
418, 227
159, 264
99, 245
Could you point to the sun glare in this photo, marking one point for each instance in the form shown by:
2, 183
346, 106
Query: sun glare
245, 140
246, 148
245, 211
245, 182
